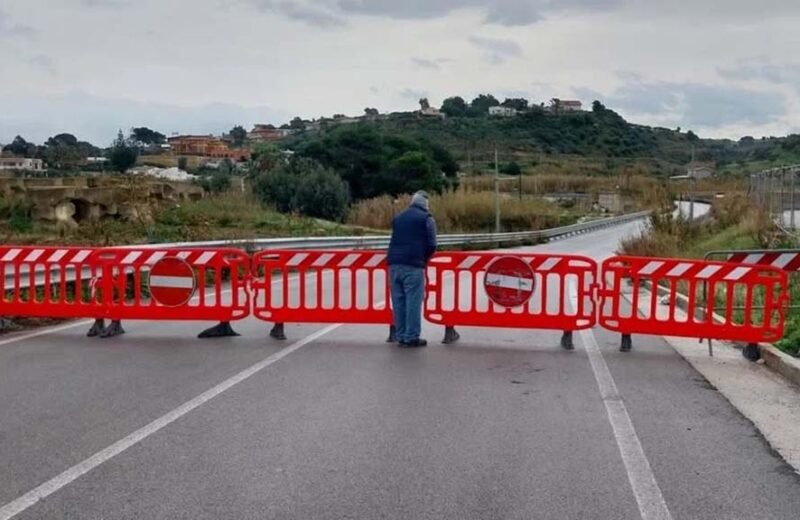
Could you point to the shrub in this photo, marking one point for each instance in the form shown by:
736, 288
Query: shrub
304, 186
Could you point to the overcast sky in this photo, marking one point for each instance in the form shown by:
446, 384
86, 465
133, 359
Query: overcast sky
724, 68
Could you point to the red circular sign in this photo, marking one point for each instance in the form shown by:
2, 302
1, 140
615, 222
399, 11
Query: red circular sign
509, 281
172, 282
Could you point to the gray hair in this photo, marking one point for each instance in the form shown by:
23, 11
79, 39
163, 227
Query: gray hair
420, 198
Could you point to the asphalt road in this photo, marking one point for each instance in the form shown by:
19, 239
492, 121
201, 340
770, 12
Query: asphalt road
337, 424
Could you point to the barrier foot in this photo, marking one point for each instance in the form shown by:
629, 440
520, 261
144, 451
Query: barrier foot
750, 352
627, 343
4, 324
450, 336
114, 329
222, 330
392, 335
277, 332
566, 340
97, 329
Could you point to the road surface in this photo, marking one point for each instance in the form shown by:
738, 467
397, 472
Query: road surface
337, 424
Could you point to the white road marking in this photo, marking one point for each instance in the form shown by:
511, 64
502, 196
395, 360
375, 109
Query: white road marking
30, 498
640, 475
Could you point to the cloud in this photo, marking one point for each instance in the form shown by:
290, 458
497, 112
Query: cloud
9, 28
761, 68
311, 12
97, 119
500, 12
497, 50
112, 4
415, 94
696, 104
44, 63
423, 63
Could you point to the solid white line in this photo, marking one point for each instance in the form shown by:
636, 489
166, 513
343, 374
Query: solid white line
44, 332
30, 498
640, 475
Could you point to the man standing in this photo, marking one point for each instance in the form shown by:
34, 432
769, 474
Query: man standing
412, 246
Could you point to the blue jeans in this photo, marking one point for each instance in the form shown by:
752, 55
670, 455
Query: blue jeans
408, 291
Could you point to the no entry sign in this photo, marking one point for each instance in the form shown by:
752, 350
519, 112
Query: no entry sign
172, 282
509, 281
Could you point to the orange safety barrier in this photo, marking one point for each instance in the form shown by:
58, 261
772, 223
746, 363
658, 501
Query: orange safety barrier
175, 284
544, 291
321, 287
53, 282
125, 283
630, 303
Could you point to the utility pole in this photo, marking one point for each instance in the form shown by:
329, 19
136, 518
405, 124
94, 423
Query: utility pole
791, 203
496, 193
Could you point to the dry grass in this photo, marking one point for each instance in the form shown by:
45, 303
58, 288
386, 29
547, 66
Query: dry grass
465, 210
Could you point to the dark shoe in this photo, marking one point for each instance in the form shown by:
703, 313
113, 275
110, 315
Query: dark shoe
415, 343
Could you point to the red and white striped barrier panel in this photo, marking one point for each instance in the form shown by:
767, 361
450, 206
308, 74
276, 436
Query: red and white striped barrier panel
53, 282
117, 284
514, 290
788, 261
174, 284
730, 286
321, 287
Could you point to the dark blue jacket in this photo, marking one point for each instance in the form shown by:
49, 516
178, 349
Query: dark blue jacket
413, 238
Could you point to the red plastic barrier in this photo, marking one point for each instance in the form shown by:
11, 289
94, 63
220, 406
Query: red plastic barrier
322, 287
733, 292
175, 284
561, 298
53, 282
116, 283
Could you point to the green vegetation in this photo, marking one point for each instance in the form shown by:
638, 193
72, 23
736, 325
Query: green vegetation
122, 154
375, 163
303, 186
734, 224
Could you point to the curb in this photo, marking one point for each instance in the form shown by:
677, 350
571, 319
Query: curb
774, 358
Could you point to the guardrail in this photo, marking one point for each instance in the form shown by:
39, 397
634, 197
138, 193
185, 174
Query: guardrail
380, 242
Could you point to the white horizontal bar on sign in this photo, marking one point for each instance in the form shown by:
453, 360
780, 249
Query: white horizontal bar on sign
173, 282
509, 282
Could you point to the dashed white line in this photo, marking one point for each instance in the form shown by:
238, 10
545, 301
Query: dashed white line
649, 497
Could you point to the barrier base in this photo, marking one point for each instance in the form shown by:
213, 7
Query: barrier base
97, 328
392, 335
4, 324
566, 341
627, 343
750, 352
114, 329
277, 332
450, 336
221, 330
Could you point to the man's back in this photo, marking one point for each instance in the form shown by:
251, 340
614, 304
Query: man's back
413, 237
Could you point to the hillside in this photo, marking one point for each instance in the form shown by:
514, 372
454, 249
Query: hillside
599, 141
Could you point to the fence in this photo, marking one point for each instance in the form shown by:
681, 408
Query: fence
483, 289
778, 192
726, 282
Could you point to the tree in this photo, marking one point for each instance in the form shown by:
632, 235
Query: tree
481, 104
520, 104
424, 104
692, 137
371, 112
64, 152
297, 124
410, 172
147, 136
238, 135
19, 146
123, 153
598, 107
511, 168
455, 107
304, 186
